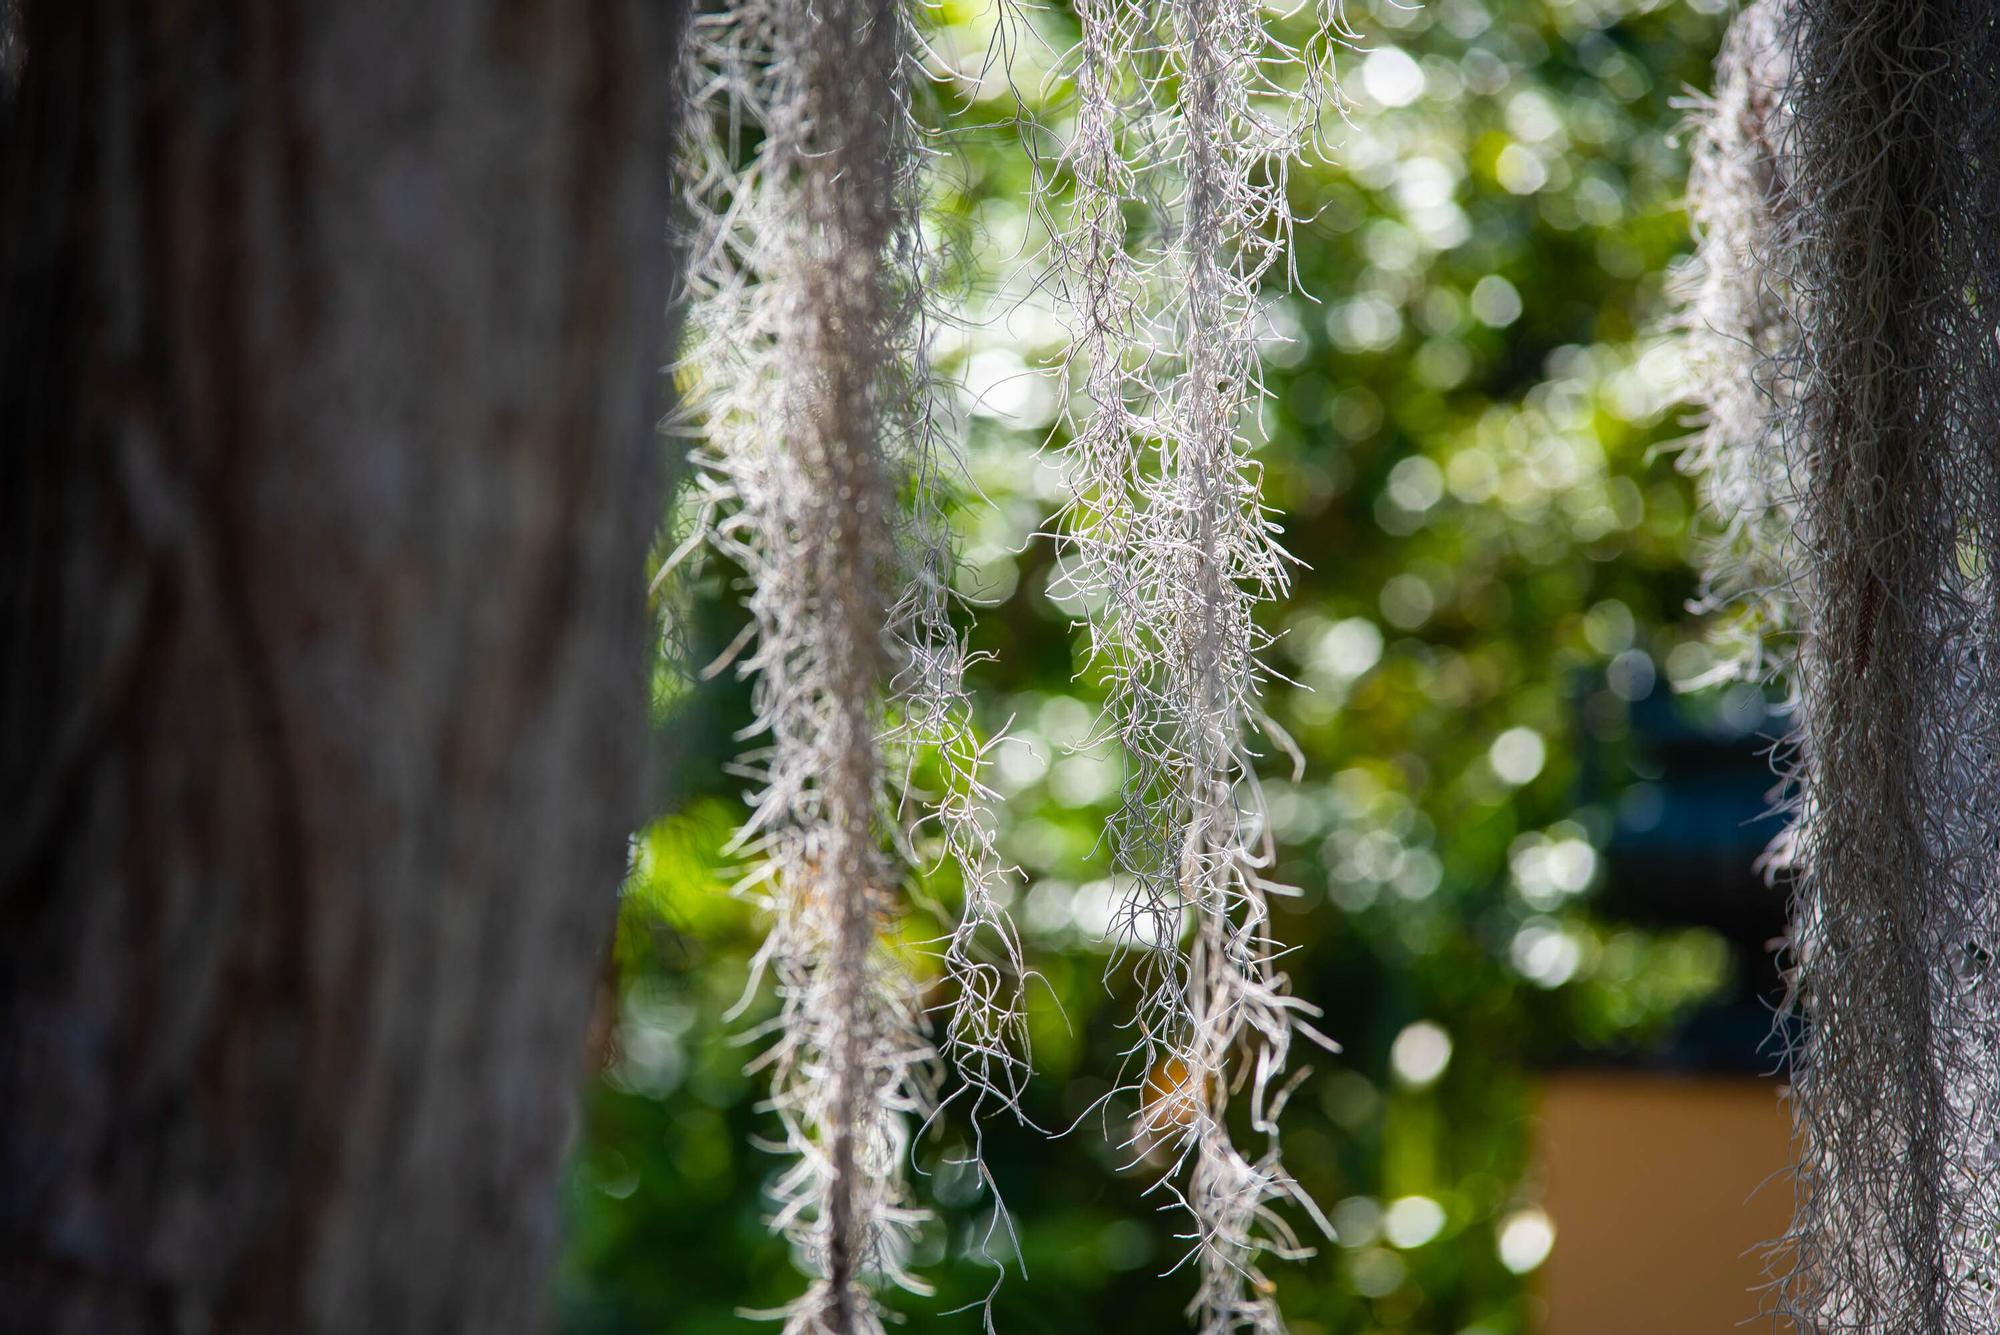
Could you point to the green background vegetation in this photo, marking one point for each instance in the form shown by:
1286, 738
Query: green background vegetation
1469, 441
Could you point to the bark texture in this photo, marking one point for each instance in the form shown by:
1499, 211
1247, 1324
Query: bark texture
328, 348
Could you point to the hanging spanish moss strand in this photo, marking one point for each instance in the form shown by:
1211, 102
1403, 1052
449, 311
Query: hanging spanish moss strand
1106, 288
1882, 674
1168, 545
1881, 236
806, 371
986, 1025
1739, 328
931, 718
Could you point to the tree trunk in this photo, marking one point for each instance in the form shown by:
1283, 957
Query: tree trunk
328, 349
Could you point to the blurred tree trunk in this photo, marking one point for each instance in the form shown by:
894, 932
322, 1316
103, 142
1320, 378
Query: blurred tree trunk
329, 338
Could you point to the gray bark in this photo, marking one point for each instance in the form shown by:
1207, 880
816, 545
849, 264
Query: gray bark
329, 338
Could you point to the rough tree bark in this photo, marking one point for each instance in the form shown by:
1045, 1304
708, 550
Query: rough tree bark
328, 349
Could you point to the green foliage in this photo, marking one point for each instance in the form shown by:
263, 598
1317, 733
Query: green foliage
1468, 441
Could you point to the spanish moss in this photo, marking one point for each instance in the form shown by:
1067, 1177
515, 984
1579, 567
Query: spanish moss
1857, 181
1190, 121
822, 481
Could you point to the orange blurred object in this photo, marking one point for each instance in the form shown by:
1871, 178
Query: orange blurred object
1663, 1190
1172, 1096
